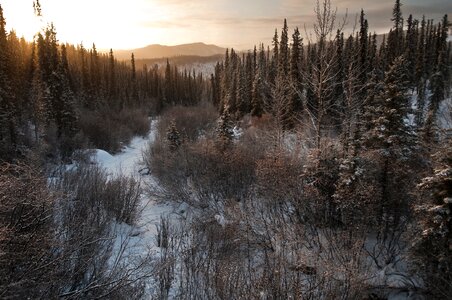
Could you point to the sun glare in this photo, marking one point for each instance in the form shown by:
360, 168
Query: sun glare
19, 16
107, 23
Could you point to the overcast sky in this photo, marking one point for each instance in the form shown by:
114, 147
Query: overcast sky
240, 24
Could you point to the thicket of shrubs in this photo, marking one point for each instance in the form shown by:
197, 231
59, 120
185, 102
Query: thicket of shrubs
276, 219
57, 240
109, 130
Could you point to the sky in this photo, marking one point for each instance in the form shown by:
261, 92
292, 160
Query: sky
130, 24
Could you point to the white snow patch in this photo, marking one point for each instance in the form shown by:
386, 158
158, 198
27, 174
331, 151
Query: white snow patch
237, 132
102, 157
445, 114
221, 220
135, 243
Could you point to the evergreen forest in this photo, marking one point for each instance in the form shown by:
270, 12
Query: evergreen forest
316, 167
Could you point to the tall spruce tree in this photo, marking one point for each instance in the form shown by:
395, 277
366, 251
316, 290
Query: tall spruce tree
395, 37
225, 133
111, 77
433, 241
388, 131
363, 47
134, 96
7, 127
258, 96
273, 62
225, 82
283, 58
173, 137
410, 49
296, 102
96, 78
169, 90
66, 116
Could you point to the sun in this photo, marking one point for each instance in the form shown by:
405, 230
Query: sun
116, 24
20, 16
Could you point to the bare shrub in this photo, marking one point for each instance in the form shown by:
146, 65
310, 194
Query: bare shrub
90, 204
122, 198
278, 177
201, 175
26, 234
109, 129
136, 120
99, 129
166, 264
192, 122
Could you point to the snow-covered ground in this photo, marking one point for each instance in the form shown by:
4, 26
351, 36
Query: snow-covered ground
136, 245
128, 161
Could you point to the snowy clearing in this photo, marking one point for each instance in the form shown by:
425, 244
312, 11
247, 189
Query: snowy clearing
136, 244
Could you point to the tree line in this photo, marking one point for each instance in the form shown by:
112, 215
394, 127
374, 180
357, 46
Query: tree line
74, 96
323, 79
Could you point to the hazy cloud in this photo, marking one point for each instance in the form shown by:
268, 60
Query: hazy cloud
230, 23
244, 22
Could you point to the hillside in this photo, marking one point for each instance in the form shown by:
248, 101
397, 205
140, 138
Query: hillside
159, 51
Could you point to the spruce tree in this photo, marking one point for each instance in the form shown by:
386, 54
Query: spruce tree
7, 127
225, 82
95, 77
48, 60
57, 96
241, 91
445, 50
134, 96
111, 75
254, 60
275, 43
410, 49
395, 36
169, 90
65, 113
397, 15
273, 62
258, 95
363, 48
173, 137
387, 111
437, 88
231, 93
69, 116
396, 102
433, 241
373, 51
283, 59
336, 110
262, 64
87, 89
420, 74
296, 103
282, 89
225, 131
249, 73
216, 85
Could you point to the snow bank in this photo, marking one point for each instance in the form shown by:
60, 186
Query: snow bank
135, 244
102, 157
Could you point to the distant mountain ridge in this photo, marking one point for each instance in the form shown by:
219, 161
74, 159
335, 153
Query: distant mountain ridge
160, 51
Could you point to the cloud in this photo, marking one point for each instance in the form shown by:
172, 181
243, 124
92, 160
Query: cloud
238, 23
164, 24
